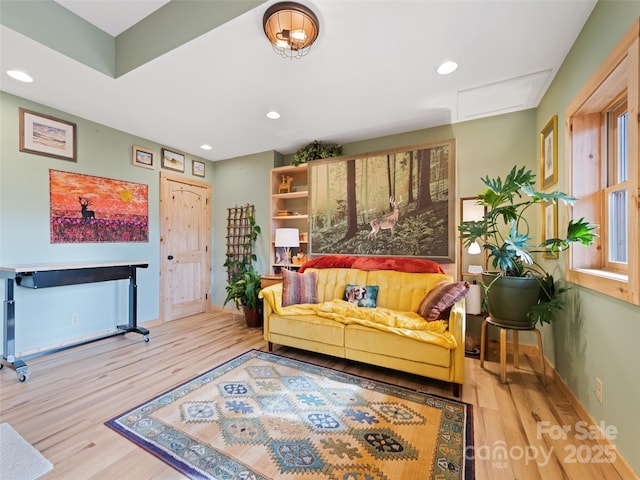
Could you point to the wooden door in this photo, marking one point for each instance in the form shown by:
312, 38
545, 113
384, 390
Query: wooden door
185, 252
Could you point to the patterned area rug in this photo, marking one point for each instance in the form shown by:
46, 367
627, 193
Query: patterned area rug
263, 416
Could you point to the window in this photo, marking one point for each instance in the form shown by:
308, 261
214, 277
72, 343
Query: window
616, 192
602, 134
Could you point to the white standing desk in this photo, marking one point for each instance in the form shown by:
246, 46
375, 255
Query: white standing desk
57, 275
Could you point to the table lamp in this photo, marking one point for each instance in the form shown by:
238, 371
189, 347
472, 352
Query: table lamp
287, 238
474, 249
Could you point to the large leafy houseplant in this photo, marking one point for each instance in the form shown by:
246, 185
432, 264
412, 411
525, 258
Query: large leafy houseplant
244, 281
504, 233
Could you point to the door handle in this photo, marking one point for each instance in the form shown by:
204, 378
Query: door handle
170, 257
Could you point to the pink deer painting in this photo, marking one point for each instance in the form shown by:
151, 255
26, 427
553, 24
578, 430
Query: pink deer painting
84, 203
387, 222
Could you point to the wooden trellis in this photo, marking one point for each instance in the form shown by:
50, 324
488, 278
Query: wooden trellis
239, 244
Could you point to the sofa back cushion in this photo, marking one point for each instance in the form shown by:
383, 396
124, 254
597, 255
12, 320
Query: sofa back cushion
403, 291
330, 282
397, 290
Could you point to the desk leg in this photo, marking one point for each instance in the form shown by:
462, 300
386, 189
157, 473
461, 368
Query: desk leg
9, 332
133, 309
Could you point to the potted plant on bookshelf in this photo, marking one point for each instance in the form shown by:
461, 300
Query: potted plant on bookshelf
314, 151
244, 281
521, 293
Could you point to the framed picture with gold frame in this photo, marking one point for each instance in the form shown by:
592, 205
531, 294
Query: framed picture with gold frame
549, 226
549, 154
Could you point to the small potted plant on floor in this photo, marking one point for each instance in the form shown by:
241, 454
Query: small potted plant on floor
521, 293
243, 289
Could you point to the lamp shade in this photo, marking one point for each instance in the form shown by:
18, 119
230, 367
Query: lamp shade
291, 28
287, 237
474, 249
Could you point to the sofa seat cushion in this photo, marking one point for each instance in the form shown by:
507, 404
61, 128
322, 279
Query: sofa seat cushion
357, 337
407, 324
309, 327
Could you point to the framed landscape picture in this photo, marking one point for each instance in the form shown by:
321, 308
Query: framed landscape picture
397, 202
46, 135
141, 157
172, 160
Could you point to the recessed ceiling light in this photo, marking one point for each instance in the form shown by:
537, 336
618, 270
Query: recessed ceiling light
206, 146
21, 76
273, 115
447, 67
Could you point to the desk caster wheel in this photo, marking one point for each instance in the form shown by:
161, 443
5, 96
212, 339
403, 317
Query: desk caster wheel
1, 366
23, 376
146, 338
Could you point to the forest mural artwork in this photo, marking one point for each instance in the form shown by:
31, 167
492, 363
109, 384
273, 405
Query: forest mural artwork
398, 203
88, 209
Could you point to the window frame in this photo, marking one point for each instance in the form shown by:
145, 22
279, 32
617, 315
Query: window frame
612, 183
586, 142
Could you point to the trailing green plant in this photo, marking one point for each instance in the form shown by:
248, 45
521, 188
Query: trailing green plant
504, 233
244, 281
314, 151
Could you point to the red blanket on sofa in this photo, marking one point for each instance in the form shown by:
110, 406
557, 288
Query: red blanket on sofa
399, 264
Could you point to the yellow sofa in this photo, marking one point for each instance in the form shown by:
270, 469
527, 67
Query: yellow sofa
399, 291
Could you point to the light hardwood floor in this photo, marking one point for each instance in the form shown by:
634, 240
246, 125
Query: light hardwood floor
61, 410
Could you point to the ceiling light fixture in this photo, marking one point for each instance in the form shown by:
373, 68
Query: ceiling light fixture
21, 76
447, 67
206, 146
273, 115
291, 28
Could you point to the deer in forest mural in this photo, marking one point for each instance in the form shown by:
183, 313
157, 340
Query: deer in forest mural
387, 222
84, 203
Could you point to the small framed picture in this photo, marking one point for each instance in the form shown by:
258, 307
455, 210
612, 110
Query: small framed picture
549, 226
549, 154
172, 160
197, 168
48, 136
141, 157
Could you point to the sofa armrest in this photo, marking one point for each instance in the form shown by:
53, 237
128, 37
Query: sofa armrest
457, 326
271, 295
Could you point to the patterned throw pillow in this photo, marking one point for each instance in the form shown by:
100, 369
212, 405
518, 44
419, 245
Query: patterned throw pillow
438, 301
298, 288
361, 295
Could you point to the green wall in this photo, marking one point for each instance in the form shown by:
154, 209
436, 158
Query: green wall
597, 334
238, 182
44, 316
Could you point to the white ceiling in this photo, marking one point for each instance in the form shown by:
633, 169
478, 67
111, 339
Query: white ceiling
372, 72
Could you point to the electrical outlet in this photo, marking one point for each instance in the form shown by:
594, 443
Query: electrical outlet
75, 319
599, 391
